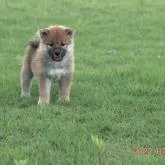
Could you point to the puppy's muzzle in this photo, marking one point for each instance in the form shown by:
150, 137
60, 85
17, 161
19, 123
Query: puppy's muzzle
57, 54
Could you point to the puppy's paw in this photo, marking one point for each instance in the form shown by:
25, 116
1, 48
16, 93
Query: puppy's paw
25, 94
66, 99
43, 102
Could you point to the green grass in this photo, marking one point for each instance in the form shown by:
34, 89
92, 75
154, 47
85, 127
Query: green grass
118, 90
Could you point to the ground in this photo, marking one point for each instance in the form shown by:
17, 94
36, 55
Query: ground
117, 102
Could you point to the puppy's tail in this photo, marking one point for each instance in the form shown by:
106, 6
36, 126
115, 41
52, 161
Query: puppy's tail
34, 43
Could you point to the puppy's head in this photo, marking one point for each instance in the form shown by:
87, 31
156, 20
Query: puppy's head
57, 39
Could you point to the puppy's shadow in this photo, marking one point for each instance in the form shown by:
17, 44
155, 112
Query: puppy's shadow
25, 102
33, 99
11, 96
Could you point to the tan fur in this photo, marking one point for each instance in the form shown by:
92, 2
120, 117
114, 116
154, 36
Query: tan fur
38, 63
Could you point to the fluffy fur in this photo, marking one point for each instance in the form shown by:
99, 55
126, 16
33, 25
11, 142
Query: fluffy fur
40, 62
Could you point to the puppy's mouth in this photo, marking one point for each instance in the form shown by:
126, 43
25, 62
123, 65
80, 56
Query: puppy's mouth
56, 58
57, 54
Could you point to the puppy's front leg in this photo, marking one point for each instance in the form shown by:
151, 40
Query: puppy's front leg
65, 87
44, 90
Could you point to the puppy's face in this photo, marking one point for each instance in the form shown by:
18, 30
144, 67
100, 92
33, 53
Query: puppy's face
57, 40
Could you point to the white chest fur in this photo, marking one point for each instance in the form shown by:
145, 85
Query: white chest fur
55, 73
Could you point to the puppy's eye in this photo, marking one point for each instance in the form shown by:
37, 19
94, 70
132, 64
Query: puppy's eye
63, 44
50, 44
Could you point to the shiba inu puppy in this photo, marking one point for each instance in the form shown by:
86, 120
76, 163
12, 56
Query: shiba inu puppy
49, 57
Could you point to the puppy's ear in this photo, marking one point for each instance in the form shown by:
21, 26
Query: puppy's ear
44, 33
69, 32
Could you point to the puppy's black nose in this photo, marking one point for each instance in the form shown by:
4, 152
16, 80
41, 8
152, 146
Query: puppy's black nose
57, 52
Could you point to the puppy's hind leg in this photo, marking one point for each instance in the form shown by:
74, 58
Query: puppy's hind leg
26, 72
26, 77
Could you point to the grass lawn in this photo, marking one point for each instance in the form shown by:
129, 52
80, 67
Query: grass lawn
118, 96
